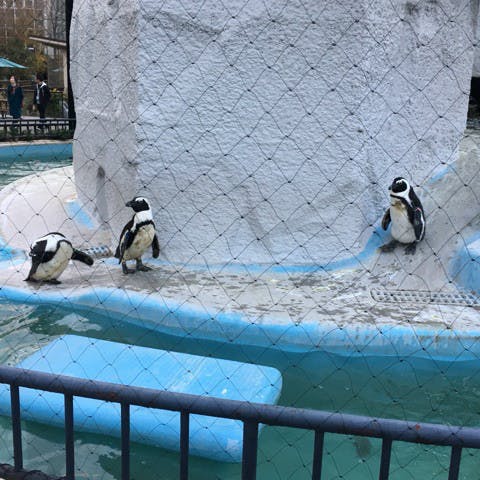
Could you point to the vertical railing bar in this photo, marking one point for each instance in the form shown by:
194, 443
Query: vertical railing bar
385, 459
249, 452
317, 455
455, 458
16, 427
69, 438
184, 444
125, 432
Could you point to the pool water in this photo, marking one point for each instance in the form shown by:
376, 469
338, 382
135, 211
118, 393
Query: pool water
23, 162
414, 389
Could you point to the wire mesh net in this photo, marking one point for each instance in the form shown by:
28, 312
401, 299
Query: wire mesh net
264, 137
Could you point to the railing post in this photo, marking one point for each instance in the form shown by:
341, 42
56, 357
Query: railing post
125, 432
16, 427
385, 459
317, 455
455, 458
249, 452
69, 439
184, 444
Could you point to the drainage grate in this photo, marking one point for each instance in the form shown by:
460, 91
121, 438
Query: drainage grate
98, 252
416, 296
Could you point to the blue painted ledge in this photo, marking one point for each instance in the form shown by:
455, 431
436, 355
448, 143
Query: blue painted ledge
378, 238
153, 312
465, 266
77, 212
9, 253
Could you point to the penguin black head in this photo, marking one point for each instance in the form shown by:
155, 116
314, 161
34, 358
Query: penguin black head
399, 187
139, 204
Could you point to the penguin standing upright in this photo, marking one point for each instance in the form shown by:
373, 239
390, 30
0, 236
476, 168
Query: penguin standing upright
137, 236
50, 256
406, 216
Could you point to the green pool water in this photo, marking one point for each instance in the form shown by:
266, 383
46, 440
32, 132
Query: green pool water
414, 389
17, 162
407, 388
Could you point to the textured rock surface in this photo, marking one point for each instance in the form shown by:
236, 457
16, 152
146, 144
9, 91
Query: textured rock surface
265, 132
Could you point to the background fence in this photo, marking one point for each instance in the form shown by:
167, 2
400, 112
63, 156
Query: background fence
265, 138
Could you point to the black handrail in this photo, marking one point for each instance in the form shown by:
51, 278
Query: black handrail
25, 127
31, 122
252, 414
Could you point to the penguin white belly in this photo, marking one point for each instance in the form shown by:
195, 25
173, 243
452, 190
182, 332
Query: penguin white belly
54, 267
142, 241
402, 229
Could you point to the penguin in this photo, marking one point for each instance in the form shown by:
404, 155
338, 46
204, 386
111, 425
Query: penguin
406, 216
137, 236
50, 256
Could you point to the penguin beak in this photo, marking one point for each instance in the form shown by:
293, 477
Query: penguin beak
129, 204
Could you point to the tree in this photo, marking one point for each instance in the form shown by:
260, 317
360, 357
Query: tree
16, 50
56, 19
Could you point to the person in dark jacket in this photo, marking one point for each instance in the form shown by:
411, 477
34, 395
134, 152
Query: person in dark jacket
41, 97
15, 98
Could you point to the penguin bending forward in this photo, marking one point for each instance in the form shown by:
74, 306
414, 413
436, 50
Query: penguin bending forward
50, 256
406, 216
137, 236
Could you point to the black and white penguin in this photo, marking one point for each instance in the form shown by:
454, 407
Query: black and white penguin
406, 216
137, 236
50, 256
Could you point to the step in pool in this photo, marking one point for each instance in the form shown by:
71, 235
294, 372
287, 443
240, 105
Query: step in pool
84, 357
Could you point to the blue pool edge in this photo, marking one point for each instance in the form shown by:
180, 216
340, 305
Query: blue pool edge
153, 312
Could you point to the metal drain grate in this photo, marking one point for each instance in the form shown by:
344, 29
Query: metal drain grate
99, 252
416, 296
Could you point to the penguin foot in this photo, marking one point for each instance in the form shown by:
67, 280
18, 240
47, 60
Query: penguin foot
32, 280
389, 247
127, 270
411, 249
53, 281
141, 267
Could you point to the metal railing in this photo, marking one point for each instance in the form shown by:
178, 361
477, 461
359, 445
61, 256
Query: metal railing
251, 414
35, 127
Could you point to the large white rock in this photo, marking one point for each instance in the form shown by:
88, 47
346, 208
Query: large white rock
265, 132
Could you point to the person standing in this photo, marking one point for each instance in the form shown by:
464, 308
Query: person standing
15, 98
41, 97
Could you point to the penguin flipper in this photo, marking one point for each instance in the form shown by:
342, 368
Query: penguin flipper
386, 219
82, 257
155, 247
118, 251
418, 224
38, 255
35, 263
124, 244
